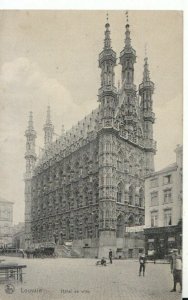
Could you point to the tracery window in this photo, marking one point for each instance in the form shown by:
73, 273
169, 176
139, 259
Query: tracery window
131, 220
120, 226
86, 196
86, 229
131, 195
108, 180
120, 192
108, 146
141, 221
141, 197
76, 228
68, 229
120, 161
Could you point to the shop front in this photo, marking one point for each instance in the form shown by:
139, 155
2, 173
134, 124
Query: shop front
159, 241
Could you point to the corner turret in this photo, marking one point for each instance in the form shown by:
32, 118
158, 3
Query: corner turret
48, 130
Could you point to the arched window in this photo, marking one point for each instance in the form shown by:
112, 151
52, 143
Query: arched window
61, 238
141, 221
96, 226
76, 228
85, 165
108, 147
76, 199
68, 201
131, 195
120, 161
77, 168
86, 196
86, 232
43, 232
67, 229
131, 220
126, 164
95, 192
131, 165
120, 226
47, 232
130, 169
108, 180
141, 198
128, 77
120, 192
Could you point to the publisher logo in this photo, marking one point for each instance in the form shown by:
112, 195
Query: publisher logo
9, 288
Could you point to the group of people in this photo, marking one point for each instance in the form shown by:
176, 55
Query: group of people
103, 259
175, 267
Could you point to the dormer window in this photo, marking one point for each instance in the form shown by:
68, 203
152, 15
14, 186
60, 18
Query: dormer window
167, 179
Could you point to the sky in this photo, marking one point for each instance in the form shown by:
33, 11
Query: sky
51, 58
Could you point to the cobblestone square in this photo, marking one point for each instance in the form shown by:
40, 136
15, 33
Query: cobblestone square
52, 279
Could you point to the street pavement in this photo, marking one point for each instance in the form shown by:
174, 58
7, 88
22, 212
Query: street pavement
81, 279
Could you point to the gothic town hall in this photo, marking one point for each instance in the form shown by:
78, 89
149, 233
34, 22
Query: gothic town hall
87, 187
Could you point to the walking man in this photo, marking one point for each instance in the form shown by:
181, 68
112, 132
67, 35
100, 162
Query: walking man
176, 269
110, 256
142, 261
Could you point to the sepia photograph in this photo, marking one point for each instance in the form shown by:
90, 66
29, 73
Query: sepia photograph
91, 154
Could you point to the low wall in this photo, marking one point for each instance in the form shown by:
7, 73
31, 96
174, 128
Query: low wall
125, 247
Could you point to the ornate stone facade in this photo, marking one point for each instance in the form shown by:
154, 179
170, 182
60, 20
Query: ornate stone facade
6, 222
88, 185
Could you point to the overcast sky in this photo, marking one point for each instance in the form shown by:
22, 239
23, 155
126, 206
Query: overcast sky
51, 57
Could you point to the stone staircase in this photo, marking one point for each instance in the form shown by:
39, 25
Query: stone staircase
66, 251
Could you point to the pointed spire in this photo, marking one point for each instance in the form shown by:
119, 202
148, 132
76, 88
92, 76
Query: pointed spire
127, 32
30, 128
30, 122
107, 40
48, 118
146, 73
30, 135
145, 49
146, 84
62, 130
48, 129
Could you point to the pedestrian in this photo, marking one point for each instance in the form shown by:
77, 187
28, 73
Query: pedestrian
176, 269
154, 257
110, 256
103, 261
142, 261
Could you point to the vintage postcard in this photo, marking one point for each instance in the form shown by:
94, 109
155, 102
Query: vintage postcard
91, 110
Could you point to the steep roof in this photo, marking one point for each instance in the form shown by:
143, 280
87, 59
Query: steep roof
5, 201
79, 131
167, 169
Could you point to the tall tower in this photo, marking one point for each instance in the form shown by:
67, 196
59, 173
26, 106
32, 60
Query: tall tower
48, 130
107, 92
30, 157
107, 140
127, 59
146, 89
128, 94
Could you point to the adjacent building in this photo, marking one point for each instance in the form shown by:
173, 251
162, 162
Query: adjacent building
88, 185
18, 238
163, 208
6, 222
